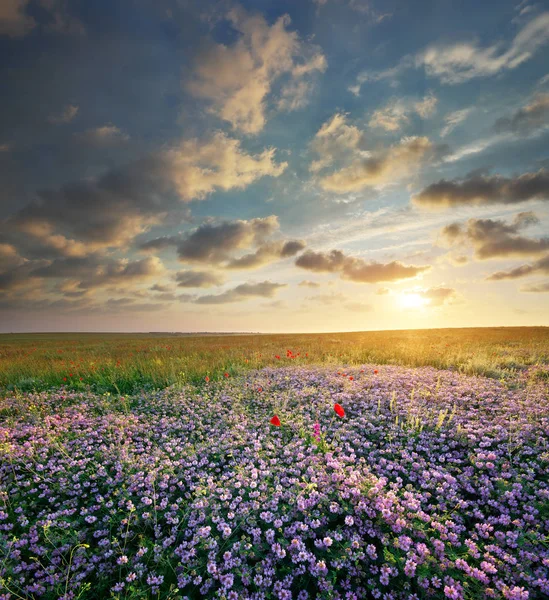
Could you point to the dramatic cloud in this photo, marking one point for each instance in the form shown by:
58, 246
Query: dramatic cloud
216, 243
265, 289
111, 210
497, 239
238, 78
68, 114
381, 167
478, 189
94, 271
397, 112
356, 269
213, 243
539, 267
527, 119
466, 60
267, 253
453, 119
198, 279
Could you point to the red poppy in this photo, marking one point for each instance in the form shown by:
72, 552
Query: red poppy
277, 357
376, 371
206, 379
275, 421
225, 375
339, 410
259, 389
351, 378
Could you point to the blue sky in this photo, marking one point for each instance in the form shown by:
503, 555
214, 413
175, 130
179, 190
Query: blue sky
273, 165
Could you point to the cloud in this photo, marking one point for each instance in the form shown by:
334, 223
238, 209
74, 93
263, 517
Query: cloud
213, 243
109, 211
457, 63
495, 238
391, 117
159, 244
14, 21
531, 117
216, 243
309, 284
95, 271
294, 95
461, 62
356, 269
198, 279
478, 189
265, 289
426, 107
536, 287
69, 112
381, 167
267, 253
157, 287
334, 140
363, 7
539, 267
397, 111
453, 119
237, 79
198, 168
437, 296
9, 257
107, 135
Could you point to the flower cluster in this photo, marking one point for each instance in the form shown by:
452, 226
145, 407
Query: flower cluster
434, 485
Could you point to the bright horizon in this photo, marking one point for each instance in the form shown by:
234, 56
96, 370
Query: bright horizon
277, 167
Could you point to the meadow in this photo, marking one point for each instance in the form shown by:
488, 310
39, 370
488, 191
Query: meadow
390, 465
126, 363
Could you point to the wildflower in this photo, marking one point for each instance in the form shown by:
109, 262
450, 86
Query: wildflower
316, 432
206, 379
275, 421
339, 410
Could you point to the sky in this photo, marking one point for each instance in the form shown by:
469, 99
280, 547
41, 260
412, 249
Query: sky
273, 165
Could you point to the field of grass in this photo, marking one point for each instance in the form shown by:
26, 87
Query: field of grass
125, 363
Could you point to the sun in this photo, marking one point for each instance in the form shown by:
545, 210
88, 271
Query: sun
411, 300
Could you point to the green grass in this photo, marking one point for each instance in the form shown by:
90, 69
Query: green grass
124, 363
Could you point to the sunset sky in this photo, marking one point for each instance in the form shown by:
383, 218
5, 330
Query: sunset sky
273, 165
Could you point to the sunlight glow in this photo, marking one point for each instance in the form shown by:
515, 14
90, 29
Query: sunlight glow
408, 300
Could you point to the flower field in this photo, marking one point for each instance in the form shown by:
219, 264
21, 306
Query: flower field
373, 481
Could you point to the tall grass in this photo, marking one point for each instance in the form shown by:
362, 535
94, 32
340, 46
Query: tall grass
123, 363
